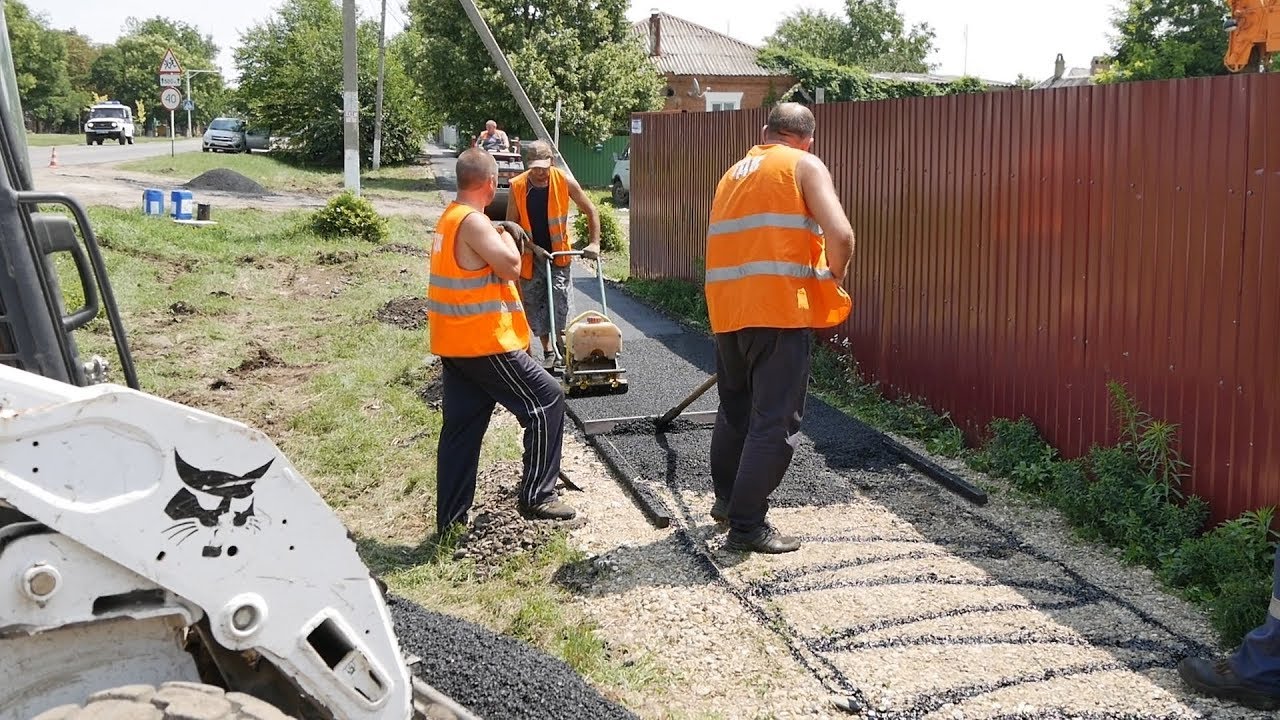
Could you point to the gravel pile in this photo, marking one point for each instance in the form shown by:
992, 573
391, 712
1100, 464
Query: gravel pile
228, 181
498, 531
495, 676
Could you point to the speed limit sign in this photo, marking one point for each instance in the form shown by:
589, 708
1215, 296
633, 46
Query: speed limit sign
170, 98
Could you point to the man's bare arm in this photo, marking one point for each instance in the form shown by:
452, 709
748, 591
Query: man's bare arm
481, 244
820, 196
587, 208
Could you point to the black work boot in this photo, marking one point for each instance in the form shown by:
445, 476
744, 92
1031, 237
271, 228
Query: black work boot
1216, 678
550, 510
720, 511
763, 539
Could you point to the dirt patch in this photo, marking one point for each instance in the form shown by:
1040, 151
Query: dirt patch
403, 249
408, 313
337, 257
182, 308
498, 531
259, 358
228, 181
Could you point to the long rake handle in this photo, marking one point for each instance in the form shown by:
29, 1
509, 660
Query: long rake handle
675, 411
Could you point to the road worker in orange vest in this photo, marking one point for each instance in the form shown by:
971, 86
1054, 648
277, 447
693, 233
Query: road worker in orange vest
539, 202
478, 329
778, 248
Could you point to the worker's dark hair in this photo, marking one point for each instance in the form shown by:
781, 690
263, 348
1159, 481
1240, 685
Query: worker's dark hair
475, 167
791, 119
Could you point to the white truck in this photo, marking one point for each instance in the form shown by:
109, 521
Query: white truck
109, 121
621, 182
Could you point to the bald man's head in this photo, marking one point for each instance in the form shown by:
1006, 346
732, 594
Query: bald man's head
475, 169
791, 120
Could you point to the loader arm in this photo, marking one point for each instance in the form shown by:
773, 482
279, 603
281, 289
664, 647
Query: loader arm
209, 510
1253, 34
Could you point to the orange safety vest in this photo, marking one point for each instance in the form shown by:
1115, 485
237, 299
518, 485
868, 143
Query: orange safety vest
766, 258
470, 313
557, 217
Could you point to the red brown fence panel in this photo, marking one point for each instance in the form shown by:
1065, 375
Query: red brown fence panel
1017, 250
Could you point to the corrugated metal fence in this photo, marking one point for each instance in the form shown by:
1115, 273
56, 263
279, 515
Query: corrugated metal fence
1017, 250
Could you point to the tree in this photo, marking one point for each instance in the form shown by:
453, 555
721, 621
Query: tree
291, 80
126, 70
1168, 39
40, 62
872, 35
844, 83
581, 53
80, 56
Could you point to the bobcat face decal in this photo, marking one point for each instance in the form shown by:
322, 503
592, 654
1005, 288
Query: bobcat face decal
214, 505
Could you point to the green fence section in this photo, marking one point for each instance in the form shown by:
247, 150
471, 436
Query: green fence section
592, 167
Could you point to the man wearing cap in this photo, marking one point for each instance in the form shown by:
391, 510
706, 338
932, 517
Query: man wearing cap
540, 204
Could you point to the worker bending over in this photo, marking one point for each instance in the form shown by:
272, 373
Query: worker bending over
539, 202
768, 283
479, 331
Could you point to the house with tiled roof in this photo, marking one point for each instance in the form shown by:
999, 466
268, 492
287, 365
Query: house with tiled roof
707, 70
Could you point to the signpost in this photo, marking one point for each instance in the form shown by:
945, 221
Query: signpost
170, 79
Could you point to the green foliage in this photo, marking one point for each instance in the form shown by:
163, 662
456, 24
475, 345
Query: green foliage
872, 34
1228, 569
126, 70
1158, 39
580, 53
40, 63
843, 83
350, 216
291, 81
611, 237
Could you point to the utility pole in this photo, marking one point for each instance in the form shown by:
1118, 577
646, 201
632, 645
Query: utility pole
189, 73
382, 68
350, 100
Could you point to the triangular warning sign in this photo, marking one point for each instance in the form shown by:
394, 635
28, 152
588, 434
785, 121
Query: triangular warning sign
170, 63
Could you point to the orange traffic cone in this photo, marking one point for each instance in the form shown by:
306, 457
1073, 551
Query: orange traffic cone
53, 158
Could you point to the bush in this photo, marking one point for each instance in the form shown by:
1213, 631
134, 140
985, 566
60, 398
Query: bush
350, 216
611, 237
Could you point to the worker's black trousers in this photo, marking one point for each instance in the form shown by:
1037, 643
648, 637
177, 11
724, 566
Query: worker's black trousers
762, 375
472, 387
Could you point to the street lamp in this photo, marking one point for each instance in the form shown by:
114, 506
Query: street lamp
188, 74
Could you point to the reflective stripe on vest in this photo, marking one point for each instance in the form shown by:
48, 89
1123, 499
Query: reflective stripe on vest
765, 220
470, 313
766, 262
767, 267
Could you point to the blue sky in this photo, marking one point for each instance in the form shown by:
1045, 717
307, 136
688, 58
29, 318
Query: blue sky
1004, 39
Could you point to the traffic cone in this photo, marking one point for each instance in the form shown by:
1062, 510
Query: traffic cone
53, 158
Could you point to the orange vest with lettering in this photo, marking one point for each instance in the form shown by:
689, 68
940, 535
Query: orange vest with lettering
557, 217
470, 313
766, 261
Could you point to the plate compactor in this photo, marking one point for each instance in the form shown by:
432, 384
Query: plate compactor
592, 342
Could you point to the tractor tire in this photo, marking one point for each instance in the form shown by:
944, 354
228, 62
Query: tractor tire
172, 701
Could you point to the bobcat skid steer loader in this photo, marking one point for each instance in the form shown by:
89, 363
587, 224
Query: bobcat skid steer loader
157, 561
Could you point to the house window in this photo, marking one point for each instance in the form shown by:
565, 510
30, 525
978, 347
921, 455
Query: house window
723, 101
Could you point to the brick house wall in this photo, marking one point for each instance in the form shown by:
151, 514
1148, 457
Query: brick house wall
755, 90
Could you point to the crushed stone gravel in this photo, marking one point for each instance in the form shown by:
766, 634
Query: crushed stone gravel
228, 181
495, 676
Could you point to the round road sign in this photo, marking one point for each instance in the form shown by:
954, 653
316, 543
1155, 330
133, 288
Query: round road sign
170, 98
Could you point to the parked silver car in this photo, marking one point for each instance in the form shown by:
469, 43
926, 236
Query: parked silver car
225, 135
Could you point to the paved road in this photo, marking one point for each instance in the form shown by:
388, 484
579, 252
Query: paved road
75, 152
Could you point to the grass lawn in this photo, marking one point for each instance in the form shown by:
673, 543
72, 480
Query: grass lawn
60, 140
276, 174
335, 388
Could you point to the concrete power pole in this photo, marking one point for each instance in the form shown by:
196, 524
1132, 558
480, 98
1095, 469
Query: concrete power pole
382, 68
350, 100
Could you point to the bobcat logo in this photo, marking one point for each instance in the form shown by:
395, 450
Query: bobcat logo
214, 503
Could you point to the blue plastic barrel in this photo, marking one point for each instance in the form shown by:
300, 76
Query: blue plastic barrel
152, 201
182, 201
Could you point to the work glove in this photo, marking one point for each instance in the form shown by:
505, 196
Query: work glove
516, 232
